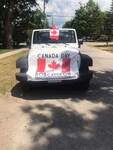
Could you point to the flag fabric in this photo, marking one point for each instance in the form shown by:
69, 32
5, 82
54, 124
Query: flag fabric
66, 65
43, 65
54, 33
53, 63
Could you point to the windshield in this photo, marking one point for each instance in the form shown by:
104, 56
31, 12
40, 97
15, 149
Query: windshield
65, 36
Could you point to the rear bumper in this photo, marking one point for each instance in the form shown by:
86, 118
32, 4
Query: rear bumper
22, 77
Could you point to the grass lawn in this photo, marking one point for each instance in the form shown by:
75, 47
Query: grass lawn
101, 45
7, 72
4, 51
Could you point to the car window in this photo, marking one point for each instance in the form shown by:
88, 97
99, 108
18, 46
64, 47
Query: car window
65, 36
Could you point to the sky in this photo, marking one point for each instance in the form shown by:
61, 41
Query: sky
67, 8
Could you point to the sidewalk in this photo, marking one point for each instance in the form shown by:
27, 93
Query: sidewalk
12, 53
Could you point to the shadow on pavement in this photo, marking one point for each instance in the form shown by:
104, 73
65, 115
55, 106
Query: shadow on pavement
101, 88
45, 93
78, 121
58, 128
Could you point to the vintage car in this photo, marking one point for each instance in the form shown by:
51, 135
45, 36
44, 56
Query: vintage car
54, 58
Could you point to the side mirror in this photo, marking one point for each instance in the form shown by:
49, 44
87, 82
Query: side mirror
80, 42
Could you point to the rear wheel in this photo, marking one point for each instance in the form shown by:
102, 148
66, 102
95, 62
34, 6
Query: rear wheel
25, 87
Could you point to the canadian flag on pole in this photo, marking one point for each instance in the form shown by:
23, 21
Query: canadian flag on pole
54, 33
64, 66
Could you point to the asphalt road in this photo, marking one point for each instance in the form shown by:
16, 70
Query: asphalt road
61, 119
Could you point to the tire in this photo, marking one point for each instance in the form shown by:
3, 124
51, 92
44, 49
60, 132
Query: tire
25, 87
86, 61
22, 63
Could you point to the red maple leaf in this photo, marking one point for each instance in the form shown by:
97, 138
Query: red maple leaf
54, 32
54, 65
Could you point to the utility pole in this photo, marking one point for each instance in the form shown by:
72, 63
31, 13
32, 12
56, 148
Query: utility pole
44, 11
52, 20
44, 7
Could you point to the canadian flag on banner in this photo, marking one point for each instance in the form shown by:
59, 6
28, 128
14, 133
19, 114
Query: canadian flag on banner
64, 67
54, 33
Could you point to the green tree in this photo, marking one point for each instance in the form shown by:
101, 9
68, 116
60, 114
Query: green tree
23, 29
108, 26
1, 23
80, 22
37, 20
95, 19
88, 20
14, 12
68, 24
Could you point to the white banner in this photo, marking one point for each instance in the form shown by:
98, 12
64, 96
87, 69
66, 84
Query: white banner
53, 64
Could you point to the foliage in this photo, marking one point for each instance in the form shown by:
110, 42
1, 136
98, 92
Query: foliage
88, 20
108, 26
68, 24
38, 20
18, 16
22, 32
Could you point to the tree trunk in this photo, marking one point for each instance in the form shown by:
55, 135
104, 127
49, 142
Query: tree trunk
8, 27
8, 33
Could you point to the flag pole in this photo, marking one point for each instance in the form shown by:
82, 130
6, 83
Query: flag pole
44, 11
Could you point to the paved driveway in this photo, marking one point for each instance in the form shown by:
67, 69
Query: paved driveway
62, 119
